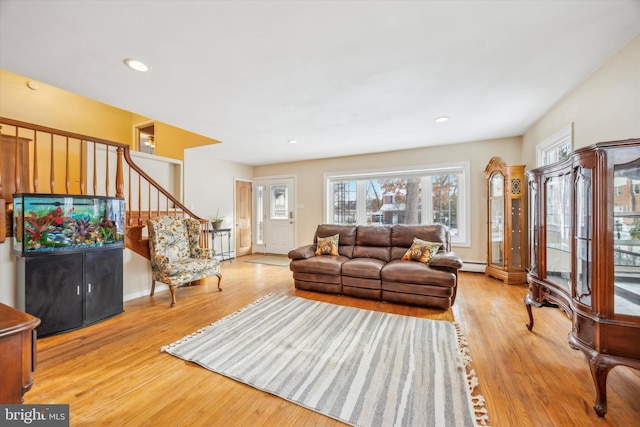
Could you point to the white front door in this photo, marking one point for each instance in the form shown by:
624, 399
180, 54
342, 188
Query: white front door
275, 226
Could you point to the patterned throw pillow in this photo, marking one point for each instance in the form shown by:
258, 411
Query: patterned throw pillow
421, 250
328, 245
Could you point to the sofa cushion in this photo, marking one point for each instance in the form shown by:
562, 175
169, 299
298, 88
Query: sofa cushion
347, 236
402, 237
328, 265
328, 245
368, 268
373, 236
416, 272
421, 250
373, 242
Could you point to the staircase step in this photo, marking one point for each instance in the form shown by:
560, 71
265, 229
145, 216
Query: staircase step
135, 241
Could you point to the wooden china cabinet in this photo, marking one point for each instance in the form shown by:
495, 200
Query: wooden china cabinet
507, 224
18, 353
585, 253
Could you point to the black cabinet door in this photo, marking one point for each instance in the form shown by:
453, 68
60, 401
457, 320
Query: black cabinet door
103, 284
54, 291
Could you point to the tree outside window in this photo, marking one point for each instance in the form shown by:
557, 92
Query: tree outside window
386, 199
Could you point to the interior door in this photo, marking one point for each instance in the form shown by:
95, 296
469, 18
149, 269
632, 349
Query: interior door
276, 224
243, 218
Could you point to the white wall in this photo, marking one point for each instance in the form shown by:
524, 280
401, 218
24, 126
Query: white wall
310, 182
7, 274
605, 107
210, 185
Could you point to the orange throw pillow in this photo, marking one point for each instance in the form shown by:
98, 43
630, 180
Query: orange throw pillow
421, 250
328, 245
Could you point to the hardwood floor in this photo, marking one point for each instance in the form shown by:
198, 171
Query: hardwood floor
113, 373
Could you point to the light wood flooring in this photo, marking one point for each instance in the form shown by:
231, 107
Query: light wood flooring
113, 373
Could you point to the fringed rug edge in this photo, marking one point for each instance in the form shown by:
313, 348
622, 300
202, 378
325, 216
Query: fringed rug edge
477, 401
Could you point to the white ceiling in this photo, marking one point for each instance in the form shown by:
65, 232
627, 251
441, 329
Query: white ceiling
341, 77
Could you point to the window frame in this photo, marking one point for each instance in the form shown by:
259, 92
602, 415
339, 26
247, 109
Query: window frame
464, 189
554, 142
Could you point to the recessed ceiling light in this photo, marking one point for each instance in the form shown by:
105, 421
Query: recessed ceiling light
442, 119
137, 65
292, 141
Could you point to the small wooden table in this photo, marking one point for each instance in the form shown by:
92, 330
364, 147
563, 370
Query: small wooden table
18, 350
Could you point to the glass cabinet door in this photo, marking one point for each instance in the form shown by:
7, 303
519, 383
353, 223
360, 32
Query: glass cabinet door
496, 216
584, 236
534, 221
558, 230
626, 246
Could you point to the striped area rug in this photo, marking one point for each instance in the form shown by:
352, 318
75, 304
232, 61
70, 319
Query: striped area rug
362, 367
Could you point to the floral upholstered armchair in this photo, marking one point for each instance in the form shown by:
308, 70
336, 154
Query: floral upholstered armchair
176, 258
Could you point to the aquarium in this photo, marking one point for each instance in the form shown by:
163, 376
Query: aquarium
55, 222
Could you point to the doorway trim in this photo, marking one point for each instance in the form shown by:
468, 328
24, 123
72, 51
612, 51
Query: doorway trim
136, 135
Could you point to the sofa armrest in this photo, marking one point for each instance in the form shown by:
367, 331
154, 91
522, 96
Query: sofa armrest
202, 253
159, 261
303, 252
446, 259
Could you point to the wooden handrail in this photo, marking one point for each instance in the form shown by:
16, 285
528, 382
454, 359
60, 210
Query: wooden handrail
86, 160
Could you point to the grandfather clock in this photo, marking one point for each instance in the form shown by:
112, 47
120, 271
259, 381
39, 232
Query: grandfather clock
507, 222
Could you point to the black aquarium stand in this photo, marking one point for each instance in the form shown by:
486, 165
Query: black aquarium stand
69, 290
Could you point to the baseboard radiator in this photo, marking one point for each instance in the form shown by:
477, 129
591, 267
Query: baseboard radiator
473, 267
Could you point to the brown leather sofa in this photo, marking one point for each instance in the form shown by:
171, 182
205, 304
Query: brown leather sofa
369, 264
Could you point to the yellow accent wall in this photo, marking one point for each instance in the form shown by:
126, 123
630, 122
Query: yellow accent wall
60, 109
172, 141
57, 108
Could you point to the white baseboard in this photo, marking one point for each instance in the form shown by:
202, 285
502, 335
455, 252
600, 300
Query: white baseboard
473, 267
160, 287
227, 256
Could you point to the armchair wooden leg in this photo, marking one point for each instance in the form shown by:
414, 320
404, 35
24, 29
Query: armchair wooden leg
172, 288
153, 287
219, 279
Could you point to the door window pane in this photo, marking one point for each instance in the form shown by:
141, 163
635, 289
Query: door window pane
279, 202
260, 214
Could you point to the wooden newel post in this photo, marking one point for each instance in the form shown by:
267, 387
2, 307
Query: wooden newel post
119, 174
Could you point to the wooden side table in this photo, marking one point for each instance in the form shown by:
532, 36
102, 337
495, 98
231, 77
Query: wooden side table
18, 349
